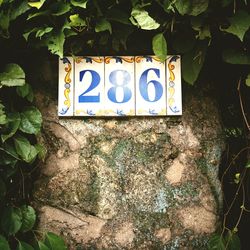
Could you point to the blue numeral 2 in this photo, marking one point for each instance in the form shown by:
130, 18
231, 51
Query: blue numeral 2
94, 83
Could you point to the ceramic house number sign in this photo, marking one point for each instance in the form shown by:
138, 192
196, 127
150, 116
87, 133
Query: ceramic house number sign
119, 86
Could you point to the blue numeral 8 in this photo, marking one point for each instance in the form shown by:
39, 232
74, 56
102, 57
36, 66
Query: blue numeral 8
123, 78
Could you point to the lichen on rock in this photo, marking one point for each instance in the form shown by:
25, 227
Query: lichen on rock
147, 183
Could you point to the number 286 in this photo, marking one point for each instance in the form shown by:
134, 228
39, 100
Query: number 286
119, 81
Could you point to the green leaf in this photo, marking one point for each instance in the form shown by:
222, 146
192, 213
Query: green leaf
28, 218
24, 246
12, 126
54, 242
76, 21
25, 91
19, 9
191, 7
4, 23
42, 151
192, 62
55, 43
37, 4
232, 241
79, 3
247, 165
3, 118
37, 14
236, 56
31, 120
203, 29
41, 246
159, 45
216, 243
13, 75
23, 147
141, 18
11, 220
4, 245
43, 31
60, 8
2, 191
27, 33
240, 23
103, 25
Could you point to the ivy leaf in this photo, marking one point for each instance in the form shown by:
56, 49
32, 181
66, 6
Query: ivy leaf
77, 21
55, 43
37, 14
192, 62
203, 29
23, 147
41, 246
60, 8
216, 243
20, 8
3, 117
11, 220
79, 3
25, 91
2, 194
240, 23
31, 120
191, 7
103, 25
4, 23
248, 164
28, 218
54, 242
37, 4
13, 75
41, 150
141, 18
236, 56
4, 245
24, 246
43, 31
159, 45
12, 126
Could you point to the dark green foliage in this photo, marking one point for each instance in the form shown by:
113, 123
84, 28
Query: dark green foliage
189, 28
194, 29
18, 126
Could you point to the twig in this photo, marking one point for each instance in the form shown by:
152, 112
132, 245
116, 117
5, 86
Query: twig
241, 105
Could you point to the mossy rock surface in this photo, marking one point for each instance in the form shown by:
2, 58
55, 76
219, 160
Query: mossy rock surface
135, 183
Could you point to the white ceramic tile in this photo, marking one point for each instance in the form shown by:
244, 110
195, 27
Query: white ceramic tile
150, 86
174, 93
66, 87
89, 86
119, 86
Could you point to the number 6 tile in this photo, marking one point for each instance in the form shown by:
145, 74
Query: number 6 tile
150, 86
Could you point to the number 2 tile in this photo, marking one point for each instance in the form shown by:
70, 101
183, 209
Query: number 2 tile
89, 86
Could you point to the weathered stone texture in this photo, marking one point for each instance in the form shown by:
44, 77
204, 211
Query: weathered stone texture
134, 183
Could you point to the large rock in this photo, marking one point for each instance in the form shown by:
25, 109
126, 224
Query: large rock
134, 183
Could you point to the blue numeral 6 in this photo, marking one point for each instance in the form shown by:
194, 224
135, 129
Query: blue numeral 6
143, 85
